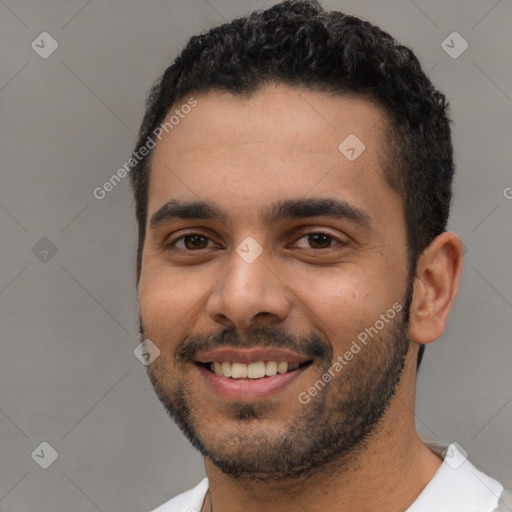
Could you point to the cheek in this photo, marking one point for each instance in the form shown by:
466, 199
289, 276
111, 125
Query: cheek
342, 302
164, 291
169, 301
329, 290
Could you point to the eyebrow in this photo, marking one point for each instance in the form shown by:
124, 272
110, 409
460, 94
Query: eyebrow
281, 210
175, 209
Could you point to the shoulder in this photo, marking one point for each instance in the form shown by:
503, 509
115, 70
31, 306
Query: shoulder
189, 501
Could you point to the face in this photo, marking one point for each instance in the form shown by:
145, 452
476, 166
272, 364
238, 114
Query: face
274, 279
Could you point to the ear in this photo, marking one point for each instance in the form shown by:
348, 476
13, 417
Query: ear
435, 286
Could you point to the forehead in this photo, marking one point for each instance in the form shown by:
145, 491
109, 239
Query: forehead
279, 142
275, 112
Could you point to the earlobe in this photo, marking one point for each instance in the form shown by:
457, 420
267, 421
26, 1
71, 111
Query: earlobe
435, 287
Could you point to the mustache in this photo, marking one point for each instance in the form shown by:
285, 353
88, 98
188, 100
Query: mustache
311, 346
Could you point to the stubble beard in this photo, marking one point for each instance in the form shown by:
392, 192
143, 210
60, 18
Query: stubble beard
331, 429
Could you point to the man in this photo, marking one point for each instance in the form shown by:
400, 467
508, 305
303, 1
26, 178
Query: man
293, 262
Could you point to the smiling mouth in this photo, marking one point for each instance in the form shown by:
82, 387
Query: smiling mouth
257, 370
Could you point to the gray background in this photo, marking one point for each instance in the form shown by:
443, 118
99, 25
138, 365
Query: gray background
68, 375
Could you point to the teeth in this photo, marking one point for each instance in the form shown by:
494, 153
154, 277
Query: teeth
252, 370
217, 368
256, 370
282, 367
226, 369
271, 368
239, 371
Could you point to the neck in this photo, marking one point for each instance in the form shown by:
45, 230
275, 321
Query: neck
387, 475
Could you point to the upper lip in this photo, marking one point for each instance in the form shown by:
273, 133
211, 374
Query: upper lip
251, 355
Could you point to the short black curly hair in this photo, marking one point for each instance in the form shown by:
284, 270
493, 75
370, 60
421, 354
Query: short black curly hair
300, 44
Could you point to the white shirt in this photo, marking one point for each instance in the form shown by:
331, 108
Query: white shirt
457, 486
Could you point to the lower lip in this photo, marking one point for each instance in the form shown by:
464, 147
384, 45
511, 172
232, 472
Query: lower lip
249, 389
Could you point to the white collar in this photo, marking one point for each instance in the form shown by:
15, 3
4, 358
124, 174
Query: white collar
457, 485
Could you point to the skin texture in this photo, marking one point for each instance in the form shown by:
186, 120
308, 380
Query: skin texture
244, 154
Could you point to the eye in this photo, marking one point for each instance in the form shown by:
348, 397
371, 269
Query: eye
191, 241
195, 241
318, 240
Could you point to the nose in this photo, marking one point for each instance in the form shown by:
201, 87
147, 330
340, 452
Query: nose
248, 292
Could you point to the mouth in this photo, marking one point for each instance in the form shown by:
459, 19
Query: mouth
251, 371
250, 374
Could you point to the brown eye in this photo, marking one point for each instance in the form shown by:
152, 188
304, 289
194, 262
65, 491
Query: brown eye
190, 242
195, 241
319, 240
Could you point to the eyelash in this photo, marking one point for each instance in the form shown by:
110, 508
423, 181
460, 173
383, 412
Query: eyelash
341, 243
